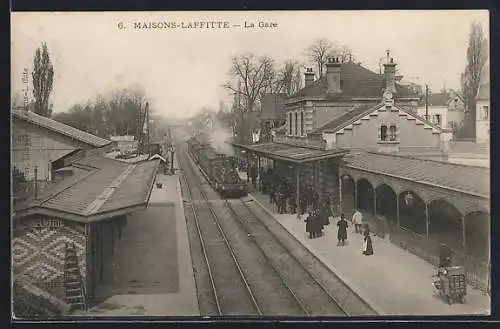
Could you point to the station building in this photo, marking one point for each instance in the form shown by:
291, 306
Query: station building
356, 135
64, 237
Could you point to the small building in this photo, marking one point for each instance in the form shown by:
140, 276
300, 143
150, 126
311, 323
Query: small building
483, 108
38, 141
124, 144
64, 237
272, 114
445, 109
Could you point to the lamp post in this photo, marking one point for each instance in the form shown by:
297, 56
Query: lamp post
172, 151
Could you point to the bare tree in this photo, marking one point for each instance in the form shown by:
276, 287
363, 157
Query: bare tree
254, 73
477, 55
344, 53
289, 77
318, 53
43, 78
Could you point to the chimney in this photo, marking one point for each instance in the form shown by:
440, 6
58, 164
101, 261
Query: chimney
333, 66
309, 76
390, 74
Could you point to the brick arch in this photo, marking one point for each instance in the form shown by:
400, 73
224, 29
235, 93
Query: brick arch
365, 198
445, 223
386, 203
478, 233
412, 216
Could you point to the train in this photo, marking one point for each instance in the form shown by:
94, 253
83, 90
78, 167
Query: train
218, 168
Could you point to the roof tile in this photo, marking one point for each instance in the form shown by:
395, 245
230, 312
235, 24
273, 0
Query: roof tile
355, 81
475, 180
60, 128
95, 174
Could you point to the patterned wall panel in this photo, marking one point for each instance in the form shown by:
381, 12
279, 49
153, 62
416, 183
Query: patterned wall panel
39, 248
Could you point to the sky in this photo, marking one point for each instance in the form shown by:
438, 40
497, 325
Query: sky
182, 69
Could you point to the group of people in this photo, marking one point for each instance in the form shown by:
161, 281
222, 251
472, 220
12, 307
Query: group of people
359, 227
316, 211
282, 193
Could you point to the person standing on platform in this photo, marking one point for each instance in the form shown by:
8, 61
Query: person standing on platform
342, 230
254, 174
302, 201
315, 200
292, 202
309, 226
325, 212
357, 220
367, 243
444, 256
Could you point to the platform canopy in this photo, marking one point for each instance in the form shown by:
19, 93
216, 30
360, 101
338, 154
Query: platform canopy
290, 153
99, 188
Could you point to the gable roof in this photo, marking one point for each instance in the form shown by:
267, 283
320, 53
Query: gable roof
467, 179
60, 128
99, 188
358, 112
440, 99
352, 115
355, 81
157, 156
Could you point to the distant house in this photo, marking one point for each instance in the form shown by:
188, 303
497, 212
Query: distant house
272, 114
483, 108
124, 144
445, 109
38, 142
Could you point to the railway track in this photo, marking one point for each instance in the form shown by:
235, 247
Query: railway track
320, 289
230, 290
251, 271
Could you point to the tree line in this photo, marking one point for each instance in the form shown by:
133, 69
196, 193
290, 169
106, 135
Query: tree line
118, 113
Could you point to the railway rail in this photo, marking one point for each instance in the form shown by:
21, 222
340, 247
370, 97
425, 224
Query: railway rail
251, 271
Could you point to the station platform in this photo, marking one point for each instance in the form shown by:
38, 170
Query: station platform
392, 280
153, 270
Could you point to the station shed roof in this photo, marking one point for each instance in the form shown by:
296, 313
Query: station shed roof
466, 179
99, 188
290, 153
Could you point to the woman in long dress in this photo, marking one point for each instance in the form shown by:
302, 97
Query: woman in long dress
342, 230
367, 243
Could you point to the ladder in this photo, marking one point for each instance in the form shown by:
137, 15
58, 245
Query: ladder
73, 284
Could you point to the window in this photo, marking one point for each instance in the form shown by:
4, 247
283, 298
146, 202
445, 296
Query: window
437, 119
383, 133
486, 113
302, 123
290, 123
392, 133
296, 123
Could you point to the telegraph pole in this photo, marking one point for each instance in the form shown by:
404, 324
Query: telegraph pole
426, 102
147, 128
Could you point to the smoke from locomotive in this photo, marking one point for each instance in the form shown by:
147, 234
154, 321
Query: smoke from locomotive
219, 136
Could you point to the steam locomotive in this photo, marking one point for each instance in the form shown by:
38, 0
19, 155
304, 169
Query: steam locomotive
218, 168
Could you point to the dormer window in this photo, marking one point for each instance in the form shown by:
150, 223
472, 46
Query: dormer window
388, 133
296, 124
392, 133
486, 112
383, 133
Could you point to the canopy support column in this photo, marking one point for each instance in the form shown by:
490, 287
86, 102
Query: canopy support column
297, 198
